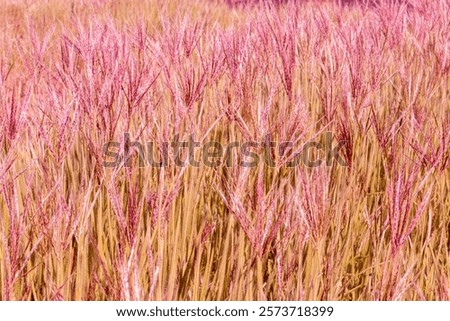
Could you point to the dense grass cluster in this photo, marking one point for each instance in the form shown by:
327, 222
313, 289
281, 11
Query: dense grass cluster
75, 76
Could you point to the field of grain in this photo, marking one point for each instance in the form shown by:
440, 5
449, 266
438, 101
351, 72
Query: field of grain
321, 167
